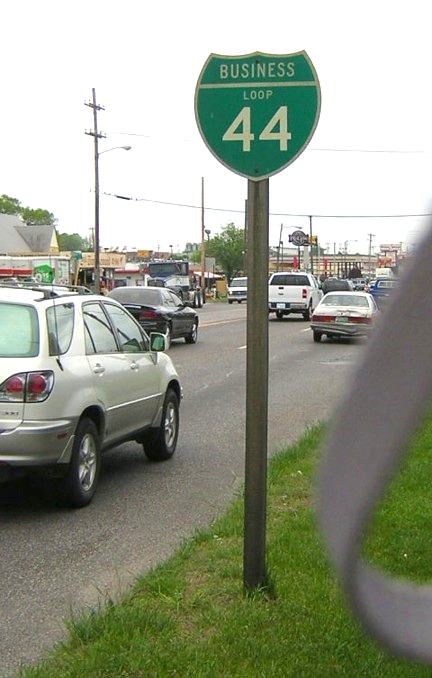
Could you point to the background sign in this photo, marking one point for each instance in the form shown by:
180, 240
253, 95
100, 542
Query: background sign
257, 112
298, 238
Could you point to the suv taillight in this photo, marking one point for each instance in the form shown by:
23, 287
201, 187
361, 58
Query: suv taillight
27, 387
304, 293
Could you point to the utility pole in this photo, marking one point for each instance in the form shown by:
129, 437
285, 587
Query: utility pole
96, 135
371, 235
279, 247
202, 241
311, 246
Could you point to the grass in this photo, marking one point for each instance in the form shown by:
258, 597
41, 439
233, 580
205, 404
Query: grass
190, 617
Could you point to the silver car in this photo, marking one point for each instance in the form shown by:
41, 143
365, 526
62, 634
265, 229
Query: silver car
78, 375
344, 314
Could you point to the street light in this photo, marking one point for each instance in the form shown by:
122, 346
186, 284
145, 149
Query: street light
207, 231
96, 230
125, 148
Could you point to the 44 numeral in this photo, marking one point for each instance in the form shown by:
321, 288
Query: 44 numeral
275, 130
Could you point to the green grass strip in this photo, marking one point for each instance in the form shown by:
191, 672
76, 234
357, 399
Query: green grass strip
190, 617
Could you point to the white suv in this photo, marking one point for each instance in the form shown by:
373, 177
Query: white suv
77, 375
293, 292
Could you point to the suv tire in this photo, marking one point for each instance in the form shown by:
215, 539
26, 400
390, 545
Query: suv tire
308, 314
160, 443
79, 484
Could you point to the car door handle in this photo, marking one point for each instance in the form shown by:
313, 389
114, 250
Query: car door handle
134, 366
98, 369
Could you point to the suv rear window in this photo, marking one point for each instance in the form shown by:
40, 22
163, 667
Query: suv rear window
19, 331
293, 279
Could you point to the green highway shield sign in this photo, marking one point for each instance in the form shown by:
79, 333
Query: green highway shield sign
257, 112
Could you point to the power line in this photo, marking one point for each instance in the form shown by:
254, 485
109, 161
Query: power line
365, 150
273, 214
326, 150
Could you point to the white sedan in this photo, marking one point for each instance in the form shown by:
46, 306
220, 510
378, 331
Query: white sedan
344, 314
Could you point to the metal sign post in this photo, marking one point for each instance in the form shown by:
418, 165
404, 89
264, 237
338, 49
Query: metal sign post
257, 113
254, 568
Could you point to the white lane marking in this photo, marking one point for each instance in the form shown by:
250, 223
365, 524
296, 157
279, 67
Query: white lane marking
308, 329
202, 388
221, 322
228, 374
239, 348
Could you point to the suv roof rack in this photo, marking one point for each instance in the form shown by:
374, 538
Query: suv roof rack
48, 291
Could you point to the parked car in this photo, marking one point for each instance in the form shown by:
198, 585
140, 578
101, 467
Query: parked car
382, 288
344, 314
293, 293
158, 309
237, 290
78, 375
337, 285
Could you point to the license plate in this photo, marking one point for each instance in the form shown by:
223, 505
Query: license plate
282, 305
341, 320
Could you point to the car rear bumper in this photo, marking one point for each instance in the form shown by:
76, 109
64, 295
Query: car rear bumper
158, 326
36, 443
342, 329
237, 297
285, 307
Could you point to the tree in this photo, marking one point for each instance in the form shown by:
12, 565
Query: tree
69, 242
228, 248
37, 217
9, 205
30, 216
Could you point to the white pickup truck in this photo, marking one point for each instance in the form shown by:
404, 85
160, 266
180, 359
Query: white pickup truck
293, 292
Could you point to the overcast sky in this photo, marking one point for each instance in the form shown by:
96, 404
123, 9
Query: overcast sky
370, 155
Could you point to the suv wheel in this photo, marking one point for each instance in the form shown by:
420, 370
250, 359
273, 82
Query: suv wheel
160, 443
308, 314
79, 484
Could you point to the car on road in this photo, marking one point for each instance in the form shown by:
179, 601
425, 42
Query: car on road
158, 309
78, 375
360, 284
344, 314
382, 289
293, 292
337, 285
237, 290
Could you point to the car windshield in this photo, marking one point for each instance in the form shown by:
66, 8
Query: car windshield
239, 282
150, 296
19, 331
345, 300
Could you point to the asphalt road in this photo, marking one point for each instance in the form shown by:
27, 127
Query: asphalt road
54, 560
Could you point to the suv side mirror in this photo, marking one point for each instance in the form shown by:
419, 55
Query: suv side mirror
157, 342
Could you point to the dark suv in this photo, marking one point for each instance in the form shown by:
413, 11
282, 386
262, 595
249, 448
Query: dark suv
336, 285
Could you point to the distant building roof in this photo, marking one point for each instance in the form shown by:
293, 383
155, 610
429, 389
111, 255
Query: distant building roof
18, 238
